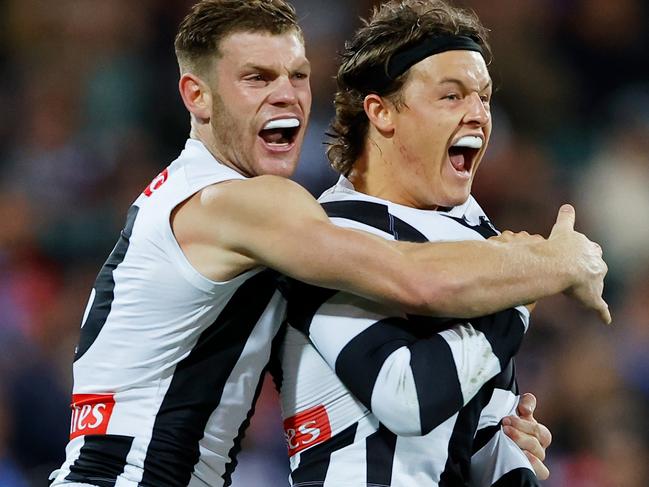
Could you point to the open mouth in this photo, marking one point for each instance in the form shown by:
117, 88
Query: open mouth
280, 133
463, 153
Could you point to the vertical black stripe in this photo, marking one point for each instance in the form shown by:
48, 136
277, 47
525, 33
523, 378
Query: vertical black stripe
303, 302
457, 469
236, 447
464, 440
101, 460
484, 436
197, 385
275, 362
105, 287
505, 380
438, 387
314, 462
379, 451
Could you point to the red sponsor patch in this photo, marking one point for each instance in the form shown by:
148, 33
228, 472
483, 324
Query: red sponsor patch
307, 428
90, 414
158, 181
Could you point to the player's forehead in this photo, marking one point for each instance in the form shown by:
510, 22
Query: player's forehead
249, 49
465, 68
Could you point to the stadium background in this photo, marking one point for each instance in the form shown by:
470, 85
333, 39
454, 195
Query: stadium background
90, 113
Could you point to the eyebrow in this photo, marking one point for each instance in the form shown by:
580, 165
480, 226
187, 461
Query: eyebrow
258, 67
462, 84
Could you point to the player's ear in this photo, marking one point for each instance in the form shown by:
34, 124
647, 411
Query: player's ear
380, 113
196, 96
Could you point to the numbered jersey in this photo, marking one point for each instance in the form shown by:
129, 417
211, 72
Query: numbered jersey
169, 362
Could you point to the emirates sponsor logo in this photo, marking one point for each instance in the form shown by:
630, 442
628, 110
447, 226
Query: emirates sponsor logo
307, 428
90, 414
158, 181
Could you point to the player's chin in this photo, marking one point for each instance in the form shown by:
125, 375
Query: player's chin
278, 160
456, 185
457, 196
278, 166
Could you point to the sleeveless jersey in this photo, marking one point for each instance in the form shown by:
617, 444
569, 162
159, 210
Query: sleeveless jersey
374, 397
169, 362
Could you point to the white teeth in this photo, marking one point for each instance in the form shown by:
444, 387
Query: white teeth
282, 123
469, 141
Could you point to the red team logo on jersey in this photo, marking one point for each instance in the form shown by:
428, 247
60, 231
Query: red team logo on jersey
90, 414
307, 428
158, 181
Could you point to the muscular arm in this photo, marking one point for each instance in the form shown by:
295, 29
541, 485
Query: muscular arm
234, 226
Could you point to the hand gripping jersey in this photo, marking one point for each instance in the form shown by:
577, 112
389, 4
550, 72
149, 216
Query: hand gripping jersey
169, 362
373, 397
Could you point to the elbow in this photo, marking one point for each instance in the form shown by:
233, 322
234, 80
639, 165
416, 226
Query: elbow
432, 421
394, 400
404, 430
400, 420
411, 421
440, 409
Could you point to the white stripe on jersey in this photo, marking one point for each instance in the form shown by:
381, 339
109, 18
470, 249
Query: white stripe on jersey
397, 416
475, 361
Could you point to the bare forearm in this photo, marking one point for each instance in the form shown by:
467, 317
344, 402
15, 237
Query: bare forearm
469, 279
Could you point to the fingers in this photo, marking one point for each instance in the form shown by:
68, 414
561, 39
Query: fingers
529, 427
527, 405
601, 308
540, 469
527, 432
530, 436
523, 237
506, 236
565, 218
545, 436
604, 312
598, 249
526, 441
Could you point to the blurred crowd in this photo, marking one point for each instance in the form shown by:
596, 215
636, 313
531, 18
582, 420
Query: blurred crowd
90, 113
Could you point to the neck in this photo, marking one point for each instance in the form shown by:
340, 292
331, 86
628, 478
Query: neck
203, 133
377, 173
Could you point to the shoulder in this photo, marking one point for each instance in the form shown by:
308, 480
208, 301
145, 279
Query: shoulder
261, 191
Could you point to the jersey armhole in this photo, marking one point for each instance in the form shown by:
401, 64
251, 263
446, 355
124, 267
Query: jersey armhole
180, 260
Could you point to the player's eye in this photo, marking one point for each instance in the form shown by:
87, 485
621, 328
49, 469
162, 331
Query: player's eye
254, 77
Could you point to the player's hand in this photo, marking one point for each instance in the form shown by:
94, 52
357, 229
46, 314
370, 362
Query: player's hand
584, 259
519, 237
531, 436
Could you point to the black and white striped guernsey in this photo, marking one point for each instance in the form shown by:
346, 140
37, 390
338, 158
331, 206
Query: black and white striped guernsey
374, 398
169, 362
